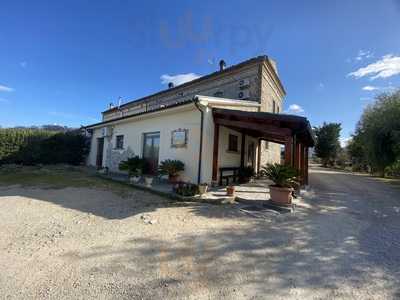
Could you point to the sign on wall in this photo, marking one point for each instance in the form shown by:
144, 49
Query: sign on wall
179, 138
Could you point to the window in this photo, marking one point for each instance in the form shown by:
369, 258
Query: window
277, 109
273, 106
119, 142
233, 143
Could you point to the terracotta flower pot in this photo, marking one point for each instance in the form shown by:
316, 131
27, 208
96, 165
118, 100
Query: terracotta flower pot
203, 189
230, 191
148, 181
281, 195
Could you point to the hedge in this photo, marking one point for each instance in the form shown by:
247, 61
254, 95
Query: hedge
32, 146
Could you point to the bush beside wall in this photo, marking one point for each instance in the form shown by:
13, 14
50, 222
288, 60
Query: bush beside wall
30, 147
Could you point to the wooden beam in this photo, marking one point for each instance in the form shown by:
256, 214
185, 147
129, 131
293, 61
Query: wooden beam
242, 148
297, 156
259, 156
306, 166
302, 164
261, 127
289, 152
215, 152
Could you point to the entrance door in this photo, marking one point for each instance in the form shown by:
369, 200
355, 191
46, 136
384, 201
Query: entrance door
151, 149
100, 149
251, 153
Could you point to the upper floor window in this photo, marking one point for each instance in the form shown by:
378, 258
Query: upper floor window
273, 106
119, 142
277, 109
233, 143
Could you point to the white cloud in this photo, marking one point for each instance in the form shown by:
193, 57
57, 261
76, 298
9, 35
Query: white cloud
295, 109
178, 79
4, 88
387, 66
362, 54
23, 64
344, 141
370, 88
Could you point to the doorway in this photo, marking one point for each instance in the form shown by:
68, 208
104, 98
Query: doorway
151, 149
251, 153
99, 156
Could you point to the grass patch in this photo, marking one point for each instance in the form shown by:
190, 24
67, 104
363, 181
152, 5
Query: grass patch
58, 177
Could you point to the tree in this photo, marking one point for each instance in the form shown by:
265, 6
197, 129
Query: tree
327, 142
378, 132
356, 151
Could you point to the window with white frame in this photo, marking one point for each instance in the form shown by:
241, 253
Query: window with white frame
119, 142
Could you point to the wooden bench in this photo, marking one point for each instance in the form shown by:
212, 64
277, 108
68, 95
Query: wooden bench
233, 173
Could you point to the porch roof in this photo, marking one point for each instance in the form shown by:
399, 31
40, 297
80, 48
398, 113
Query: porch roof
270, 126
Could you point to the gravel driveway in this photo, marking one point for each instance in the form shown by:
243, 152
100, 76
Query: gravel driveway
80, 243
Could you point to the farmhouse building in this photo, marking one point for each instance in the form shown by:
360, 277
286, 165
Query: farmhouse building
228, 119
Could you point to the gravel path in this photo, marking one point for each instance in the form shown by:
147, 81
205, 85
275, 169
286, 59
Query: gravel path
81, 243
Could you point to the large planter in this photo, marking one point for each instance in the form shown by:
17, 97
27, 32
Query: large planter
148, 181
281, 195
134, 179
230, 191
203, 189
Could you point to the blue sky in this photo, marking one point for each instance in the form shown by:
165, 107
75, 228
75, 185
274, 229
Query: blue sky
63, 61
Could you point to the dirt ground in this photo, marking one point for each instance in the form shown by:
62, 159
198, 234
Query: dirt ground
89, 239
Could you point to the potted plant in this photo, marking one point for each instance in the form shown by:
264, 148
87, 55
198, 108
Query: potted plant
284, 178
230, 190
203, 188
245, 174
134, 167
171, 168
148, 175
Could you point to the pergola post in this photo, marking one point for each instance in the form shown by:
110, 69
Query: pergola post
306, 166
259, 156
296, 163
242, 150
302, 164
289, 151
215, 152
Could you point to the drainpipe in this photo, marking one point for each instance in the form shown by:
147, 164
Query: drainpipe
196, 103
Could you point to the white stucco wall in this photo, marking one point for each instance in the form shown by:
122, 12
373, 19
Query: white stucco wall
186, 117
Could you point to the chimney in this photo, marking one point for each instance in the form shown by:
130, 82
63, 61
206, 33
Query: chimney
119, 102
170, 85
222, 65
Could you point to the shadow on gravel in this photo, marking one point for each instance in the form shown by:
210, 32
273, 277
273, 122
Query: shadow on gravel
275, 259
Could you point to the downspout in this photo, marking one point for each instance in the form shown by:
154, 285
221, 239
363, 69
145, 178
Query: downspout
196, 103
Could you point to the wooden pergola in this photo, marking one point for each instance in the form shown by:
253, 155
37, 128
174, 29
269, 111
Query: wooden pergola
294, 132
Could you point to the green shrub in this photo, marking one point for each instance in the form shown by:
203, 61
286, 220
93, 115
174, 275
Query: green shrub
171, 167
281, 175
30, 147
133, 165
394, 169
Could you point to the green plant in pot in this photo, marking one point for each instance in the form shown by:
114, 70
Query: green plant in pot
133, 166
245, 174
148, 173
171, 168
284, 178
